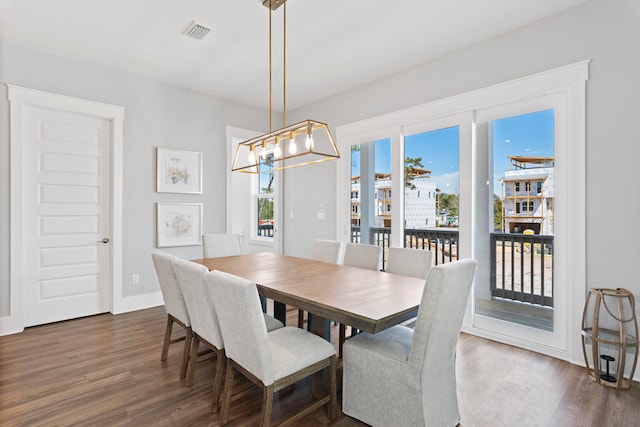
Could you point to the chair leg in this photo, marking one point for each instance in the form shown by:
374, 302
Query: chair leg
217, 380
301, 319
267, 405
226, 398
167, 338
193, 359
188, 336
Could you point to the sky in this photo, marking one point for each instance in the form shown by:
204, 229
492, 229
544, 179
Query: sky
525, 135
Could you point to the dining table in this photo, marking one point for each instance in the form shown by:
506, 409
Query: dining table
367, 300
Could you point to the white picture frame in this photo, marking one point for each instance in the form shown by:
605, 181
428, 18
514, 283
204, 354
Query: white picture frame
178, 224
178, 171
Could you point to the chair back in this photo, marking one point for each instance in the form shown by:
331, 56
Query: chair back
192, 279
444, 301
218, 245
171, 293
409, 262
363, 256
327, 251
242, 324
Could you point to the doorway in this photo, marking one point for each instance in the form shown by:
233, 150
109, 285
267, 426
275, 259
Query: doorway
64, 206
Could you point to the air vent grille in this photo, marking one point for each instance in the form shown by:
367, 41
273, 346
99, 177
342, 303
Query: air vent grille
196, 31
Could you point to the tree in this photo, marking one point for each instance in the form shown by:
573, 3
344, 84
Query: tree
497, 213
449, 204
410, 164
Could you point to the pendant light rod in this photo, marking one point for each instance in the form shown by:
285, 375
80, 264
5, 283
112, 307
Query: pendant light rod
284, 65
270, 77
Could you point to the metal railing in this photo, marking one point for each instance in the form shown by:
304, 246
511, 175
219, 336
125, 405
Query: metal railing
522, 267
522, 264
443, 243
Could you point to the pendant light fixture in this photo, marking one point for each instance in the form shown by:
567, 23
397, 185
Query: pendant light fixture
304, 143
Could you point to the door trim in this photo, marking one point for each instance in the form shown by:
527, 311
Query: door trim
19, 98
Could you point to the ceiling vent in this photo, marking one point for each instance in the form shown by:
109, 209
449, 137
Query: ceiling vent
196, 31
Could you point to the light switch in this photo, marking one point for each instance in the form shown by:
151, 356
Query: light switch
321, 216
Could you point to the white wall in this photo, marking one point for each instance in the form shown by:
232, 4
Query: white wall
156, 115
605, 31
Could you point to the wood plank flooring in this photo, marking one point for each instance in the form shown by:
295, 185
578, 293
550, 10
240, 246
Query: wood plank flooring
106, 371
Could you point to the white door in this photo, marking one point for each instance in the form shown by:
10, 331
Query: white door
66, 216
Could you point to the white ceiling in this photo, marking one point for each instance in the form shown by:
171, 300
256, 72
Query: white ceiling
332, 45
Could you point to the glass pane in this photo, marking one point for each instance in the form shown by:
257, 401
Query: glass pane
431, 186
265, 199
519, 261
265, 216
371, 197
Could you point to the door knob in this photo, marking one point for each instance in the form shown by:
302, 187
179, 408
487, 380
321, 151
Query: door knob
105, 240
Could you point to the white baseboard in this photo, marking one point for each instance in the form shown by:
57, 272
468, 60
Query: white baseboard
137, 302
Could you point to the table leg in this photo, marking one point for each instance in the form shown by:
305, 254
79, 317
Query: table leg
280, 312
321, 327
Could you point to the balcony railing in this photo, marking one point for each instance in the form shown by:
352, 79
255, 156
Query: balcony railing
522, 267
522, 264
443, 243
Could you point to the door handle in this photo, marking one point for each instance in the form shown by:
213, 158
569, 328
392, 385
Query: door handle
105, 240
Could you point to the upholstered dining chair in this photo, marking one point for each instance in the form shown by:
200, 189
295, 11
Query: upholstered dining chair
221, 244
225, 244
192, 279
361, 256
415, 365
174, 306
325, 251
272, 360
409, 262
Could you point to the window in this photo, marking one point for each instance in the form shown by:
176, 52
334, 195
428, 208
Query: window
489, 200
538, 187
527, 186
264, 199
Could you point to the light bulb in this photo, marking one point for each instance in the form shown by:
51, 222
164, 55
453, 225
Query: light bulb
252, 157
309, 142
277, 151
292, 146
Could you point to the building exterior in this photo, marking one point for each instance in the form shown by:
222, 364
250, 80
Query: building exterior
420, 200
527, 195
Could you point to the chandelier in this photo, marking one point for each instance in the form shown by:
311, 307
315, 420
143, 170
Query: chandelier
304, 143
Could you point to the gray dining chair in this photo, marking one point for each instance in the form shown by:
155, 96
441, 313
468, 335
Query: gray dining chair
409, 262
174, 306
406, 377
192, 279
362, 256
216, 245
221, 244
326, 251
272, 360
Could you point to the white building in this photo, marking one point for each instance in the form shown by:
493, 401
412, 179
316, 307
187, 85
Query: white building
420, 202
527, 194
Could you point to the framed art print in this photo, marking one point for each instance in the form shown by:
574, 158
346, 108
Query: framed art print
178, 171
178, 224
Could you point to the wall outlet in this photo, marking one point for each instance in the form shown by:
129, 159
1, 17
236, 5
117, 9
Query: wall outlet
135, 279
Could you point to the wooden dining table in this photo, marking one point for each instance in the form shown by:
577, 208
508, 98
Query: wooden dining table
368, 300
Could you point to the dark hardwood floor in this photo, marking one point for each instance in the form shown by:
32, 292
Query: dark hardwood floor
106, 371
